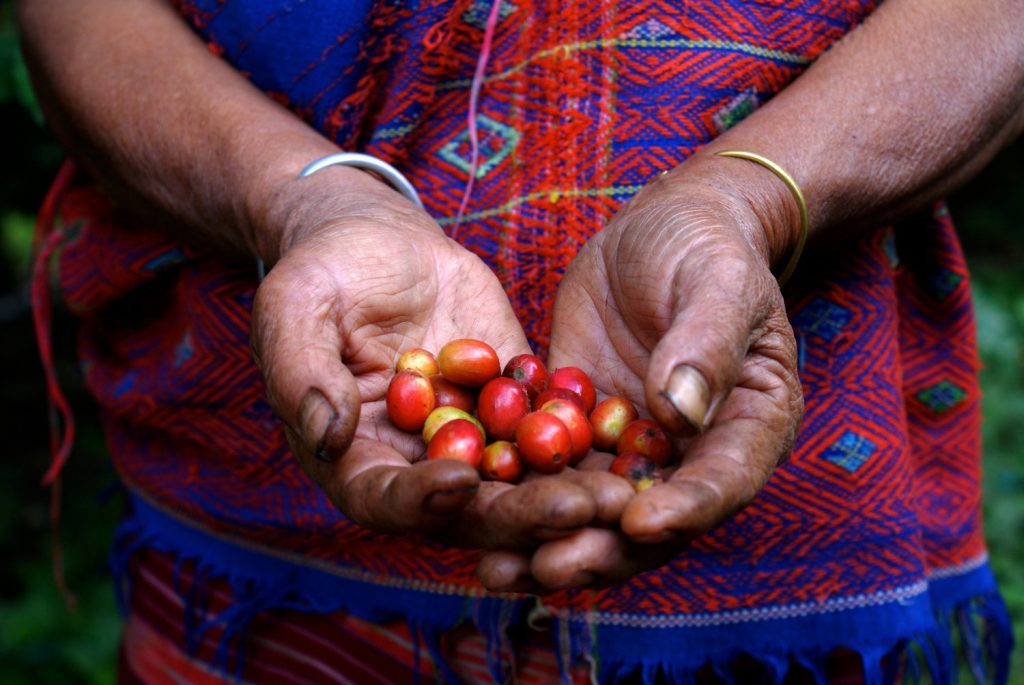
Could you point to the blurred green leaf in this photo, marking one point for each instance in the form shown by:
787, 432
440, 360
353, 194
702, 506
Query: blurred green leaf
998, 289
16, 230
15, 85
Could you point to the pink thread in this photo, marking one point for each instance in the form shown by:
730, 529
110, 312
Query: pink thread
474, 97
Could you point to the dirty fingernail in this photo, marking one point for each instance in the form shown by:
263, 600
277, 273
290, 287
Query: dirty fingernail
688, 393
315, 417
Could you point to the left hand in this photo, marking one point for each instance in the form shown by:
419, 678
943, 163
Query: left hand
328, 323
674, 306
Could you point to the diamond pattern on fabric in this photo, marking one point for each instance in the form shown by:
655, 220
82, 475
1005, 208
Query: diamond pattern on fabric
736, 110
942, 396
477, 13
941, 283
652, 28
850, 451
822, 318
497, 141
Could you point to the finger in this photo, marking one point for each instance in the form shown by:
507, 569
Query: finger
719, 309
595, 558
724, 468
506, 571
297, 344
596, 461
609, 492
570, 562
503, 516
376, 487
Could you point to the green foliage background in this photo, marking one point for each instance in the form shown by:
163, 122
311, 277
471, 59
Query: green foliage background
42, 642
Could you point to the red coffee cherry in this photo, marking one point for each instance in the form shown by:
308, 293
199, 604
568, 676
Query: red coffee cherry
641, 472
544, 442
502, 462
449, 394
609, 418
458, 439
501, 405
469, 362
581, 434
528, 370
410, 399
647, 438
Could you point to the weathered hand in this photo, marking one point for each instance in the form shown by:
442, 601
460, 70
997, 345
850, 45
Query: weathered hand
343, 302
674, 306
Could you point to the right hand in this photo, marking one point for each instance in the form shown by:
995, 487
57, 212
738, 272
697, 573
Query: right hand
673, 305
351, 291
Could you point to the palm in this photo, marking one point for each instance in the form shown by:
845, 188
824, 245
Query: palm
421, 294
589, 331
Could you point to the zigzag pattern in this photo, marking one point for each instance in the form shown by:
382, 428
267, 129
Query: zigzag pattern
584, 103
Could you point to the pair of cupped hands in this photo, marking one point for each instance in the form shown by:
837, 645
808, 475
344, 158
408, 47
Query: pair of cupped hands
673, 305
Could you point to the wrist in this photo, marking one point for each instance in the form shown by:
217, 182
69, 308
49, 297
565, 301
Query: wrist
290, 208
787, 271
760, 202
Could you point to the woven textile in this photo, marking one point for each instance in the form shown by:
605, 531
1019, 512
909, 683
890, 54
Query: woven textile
869, 537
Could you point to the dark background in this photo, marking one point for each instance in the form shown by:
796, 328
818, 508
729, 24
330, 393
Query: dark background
41, 641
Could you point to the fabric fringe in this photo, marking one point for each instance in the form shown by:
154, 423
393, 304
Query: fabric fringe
971, 616
986, 634
259, 583
977, 629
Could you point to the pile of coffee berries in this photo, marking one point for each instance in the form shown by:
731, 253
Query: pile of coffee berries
504, 422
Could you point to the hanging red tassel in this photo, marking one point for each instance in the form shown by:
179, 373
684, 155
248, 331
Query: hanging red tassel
62, 421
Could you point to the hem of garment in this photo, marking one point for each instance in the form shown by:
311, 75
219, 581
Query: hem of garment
900, 634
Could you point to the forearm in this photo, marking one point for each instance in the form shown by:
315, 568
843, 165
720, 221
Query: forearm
172, 131
903, 110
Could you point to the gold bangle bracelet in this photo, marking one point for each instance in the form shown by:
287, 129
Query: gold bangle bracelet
794, 258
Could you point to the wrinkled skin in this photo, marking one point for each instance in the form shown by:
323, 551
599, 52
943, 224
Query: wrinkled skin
678, 276
329, 322
678, 280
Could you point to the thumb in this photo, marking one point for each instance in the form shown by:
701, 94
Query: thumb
718, 310
297, 342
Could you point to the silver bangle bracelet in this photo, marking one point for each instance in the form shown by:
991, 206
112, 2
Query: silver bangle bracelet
392, 175
358, 160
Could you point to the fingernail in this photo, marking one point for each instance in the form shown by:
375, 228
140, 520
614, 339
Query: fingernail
316, 416
688, 393
448, 501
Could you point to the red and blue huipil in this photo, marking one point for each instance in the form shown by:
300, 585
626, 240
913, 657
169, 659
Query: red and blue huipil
868, 538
